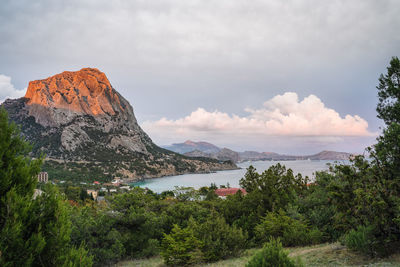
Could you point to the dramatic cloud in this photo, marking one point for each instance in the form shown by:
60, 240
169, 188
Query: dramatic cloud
282, 116
7, 90
168, 57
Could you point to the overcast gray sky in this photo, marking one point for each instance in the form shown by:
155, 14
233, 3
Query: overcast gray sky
235, 73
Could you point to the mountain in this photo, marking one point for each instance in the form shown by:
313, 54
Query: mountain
190, 146
89, 131
195, 149
253, 155
323, 155
330, 155
223, 154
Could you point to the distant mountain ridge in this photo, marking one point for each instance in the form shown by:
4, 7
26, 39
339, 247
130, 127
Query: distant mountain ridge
189, 146
203, 149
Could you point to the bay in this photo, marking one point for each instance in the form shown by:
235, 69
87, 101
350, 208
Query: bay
305, 167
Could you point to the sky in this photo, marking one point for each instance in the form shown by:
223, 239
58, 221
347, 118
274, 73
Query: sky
285, 76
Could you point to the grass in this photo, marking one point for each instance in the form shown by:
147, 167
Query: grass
318, 255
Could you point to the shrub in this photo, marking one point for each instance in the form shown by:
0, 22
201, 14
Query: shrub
271, 255
181, 247
291, 231
219, 239
361, 239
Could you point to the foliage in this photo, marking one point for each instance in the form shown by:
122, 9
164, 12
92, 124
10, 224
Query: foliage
219, 239
272, 255
361, 239
292, 232
95, 229
33, 230
275, 188
242, 211
317, 208
181, 247
389, 93
180, 213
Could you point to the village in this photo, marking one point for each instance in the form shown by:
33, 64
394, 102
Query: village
97, 191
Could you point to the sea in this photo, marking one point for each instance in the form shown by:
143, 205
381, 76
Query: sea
232, 177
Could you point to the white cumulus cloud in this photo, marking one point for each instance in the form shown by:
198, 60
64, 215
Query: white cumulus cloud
283, 115
7, 89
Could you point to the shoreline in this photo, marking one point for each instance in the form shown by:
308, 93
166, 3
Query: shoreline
142, 179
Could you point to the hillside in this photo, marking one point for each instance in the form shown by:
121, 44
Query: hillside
319, 255
89, 131
189, 146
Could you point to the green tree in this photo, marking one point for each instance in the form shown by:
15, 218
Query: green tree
137, 222
317, 208
219, 239
95, 228
389, 93
181, 247
367, 192
275, 187
292, 232
33, 231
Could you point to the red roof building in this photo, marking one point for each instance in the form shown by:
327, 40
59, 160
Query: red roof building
223, 192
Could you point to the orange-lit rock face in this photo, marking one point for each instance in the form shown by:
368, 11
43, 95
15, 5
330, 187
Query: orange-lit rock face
86, 91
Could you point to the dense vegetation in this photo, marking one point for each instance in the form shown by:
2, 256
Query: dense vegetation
34, 228
356, 204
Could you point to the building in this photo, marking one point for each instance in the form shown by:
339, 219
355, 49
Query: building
117, 180
223, 192
92, 192
43, 177
126, 187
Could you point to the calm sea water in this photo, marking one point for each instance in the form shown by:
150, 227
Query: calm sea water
305, 167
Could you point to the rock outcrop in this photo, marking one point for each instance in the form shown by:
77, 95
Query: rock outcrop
78, 117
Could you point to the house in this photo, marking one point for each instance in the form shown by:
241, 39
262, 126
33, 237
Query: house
113, 190
43, 177
92, 192
223, 192
117, 180
126, 187
96, 182
111, 184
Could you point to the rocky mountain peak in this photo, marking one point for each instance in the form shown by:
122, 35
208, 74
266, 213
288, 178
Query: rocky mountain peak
87, 91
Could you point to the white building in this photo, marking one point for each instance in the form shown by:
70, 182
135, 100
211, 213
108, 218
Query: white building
43, 177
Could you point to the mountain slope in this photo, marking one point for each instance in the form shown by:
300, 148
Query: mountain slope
88, 131
189, 146
223, 154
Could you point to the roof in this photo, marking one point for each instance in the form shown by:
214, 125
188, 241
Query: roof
229, 191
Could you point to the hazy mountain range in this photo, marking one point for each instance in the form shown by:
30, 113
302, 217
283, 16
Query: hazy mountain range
204, 149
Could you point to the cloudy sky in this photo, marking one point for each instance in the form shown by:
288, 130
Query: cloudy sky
278, 75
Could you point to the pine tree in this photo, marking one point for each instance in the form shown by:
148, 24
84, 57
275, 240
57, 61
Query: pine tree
34, 231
